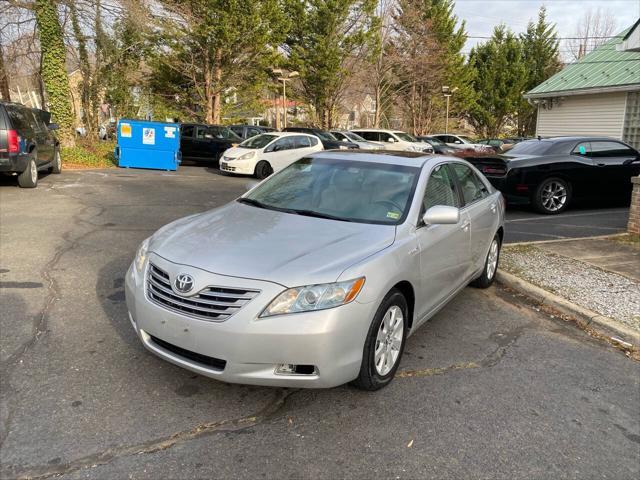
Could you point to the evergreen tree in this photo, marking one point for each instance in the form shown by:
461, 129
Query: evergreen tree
540, 55
54, 74
500, 79
325, 41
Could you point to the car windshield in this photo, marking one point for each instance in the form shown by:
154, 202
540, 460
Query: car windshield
259, 141
325, 135
223, 133
353, 136
337, 189
531, 147
434, 141
405, 136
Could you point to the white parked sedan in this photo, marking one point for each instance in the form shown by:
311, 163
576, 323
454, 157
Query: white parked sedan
394, 140
270, 152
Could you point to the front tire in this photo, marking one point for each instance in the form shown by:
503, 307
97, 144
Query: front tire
490, 265
385, 343
263, 170
29, 178
552, 196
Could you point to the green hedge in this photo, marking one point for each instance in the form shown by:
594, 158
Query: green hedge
90, 155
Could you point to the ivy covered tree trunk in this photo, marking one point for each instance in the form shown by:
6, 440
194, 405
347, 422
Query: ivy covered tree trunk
54, 74
4, 81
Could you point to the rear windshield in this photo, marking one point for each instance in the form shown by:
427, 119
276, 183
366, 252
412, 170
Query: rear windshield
531, 147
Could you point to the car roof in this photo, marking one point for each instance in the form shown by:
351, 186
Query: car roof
287, 134
384, 130
575, 139
409, 159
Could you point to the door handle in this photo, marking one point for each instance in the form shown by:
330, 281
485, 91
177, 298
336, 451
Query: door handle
601, 164
465, 225
493, 208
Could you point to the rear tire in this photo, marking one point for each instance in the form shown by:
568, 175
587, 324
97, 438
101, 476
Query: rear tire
552, 196
57, 162
263, 169
490, 265
29, 178
385, 343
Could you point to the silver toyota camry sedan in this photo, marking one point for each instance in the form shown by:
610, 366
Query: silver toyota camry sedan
317, 275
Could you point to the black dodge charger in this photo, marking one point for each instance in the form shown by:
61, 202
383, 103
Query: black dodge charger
550, 173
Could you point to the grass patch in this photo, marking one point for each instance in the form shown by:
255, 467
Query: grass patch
89, 155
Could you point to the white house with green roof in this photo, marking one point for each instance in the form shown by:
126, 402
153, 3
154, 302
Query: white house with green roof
597, 95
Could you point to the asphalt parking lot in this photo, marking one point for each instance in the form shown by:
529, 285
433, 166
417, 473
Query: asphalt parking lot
490, 388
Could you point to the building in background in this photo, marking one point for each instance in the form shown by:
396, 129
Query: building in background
597, 95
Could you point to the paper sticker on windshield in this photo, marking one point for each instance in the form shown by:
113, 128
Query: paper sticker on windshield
125, 130
394, 215
149, 136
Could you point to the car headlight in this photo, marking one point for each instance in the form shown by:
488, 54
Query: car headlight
141, 255
247, 156
314, 297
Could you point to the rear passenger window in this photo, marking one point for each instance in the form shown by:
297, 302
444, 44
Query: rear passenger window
473, 189
440, 189
187, 131
301, 142
313, 141
610, 149
373, 136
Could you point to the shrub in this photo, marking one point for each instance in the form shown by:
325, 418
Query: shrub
89, 155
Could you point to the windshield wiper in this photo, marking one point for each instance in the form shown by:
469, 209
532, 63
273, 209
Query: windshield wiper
255, 203
313, 213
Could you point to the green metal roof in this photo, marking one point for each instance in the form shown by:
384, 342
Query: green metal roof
605, 68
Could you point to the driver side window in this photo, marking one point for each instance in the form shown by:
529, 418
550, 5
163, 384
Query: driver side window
441, 189
285, 143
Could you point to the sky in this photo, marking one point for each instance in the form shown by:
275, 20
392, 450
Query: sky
482, 15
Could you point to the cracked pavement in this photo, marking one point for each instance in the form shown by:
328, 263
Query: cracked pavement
489, 388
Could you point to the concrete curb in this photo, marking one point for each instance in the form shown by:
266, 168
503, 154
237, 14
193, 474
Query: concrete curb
586, 318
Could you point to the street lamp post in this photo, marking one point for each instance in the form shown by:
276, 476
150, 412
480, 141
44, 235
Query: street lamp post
284, 79
447, 92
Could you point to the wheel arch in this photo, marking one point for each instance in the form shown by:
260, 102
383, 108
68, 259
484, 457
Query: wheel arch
408, 291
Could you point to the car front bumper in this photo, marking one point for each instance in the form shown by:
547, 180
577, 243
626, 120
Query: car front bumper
332, 341
241, 167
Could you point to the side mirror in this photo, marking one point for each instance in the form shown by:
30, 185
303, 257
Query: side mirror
53, 126
275, 148
441, 215
458, 142
391, 140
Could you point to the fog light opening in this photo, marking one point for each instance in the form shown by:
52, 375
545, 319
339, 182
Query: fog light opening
291, 369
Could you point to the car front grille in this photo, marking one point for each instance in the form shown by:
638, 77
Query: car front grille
211, 303
211, 362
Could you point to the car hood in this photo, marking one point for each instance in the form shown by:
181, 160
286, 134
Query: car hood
235, 152
250, 242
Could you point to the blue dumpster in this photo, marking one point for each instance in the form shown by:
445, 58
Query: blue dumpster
144, 144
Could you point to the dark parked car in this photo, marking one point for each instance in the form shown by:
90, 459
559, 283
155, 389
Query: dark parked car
550, 173
329, 141
206, 142
438, 145
248, 131
27, 143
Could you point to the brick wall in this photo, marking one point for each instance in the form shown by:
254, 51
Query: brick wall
634, 213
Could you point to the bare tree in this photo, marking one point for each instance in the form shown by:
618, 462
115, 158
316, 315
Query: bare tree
596, 27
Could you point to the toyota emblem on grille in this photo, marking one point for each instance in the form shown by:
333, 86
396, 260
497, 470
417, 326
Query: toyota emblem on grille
183, 283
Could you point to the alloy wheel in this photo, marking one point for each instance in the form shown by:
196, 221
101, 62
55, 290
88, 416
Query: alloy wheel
389, 340
554, 196
33, 172
492, 259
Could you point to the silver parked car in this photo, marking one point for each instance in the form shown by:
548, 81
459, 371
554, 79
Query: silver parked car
317, 275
